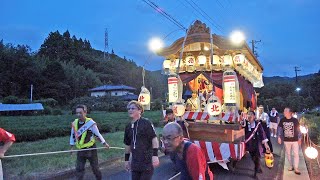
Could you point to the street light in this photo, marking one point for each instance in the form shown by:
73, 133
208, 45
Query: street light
237, 37
155, 44
298, 90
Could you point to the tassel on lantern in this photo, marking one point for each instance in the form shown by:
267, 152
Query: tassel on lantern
144, 98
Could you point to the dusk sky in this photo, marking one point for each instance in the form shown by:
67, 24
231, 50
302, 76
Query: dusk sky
289, 29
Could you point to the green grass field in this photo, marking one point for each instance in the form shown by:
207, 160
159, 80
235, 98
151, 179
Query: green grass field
33, 128
32, 166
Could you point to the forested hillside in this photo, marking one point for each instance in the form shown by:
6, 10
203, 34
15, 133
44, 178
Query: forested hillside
65, 68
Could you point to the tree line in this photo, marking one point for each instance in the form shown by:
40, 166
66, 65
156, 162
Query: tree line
65, 68
280, 94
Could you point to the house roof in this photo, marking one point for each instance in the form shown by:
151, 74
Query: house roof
112, 87
21, 107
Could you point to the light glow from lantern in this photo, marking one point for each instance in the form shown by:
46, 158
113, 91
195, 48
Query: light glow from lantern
303, 130
166, 64
311, 152
216, 60
178, 109
202, 59
227, 61
214, 108
190, 60
144, 96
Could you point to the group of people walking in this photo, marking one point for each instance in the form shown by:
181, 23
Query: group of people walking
141, 145
261, 127
141, 142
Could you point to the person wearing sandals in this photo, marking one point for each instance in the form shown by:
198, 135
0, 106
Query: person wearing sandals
288, 130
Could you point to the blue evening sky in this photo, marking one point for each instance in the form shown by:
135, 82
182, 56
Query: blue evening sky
289, 29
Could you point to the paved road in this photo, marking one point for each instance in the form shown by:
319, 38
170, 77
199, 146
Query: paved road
242, 171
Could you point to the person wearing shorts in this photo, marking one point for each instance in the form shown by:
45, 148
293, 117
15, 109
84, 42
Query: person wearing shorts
274, 120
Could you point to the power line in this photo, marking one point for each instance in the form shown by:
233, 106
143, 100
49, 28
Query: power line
163, 13
220, 4
205, 15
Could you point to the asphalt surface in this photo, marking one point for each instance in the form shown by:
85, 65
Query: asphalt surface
244, 169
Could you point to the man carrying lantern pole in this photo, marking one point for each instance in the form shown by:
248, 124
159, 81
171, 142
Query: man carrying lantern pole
289, 131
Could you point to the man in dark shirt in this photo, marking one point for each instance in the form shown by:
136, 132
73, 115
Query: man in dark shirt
289, 130
274, 120
255, 138
141, 141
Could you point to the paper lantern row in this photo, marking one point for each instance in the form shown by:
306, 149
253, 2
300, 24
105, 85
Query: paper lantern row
238, 62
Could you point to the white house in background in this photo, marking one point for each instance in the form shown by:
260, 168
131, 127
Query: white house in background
113, 90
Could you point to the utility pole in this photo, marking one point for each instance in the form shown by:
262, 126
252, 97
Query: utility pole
253, 42
296, 69
31, 92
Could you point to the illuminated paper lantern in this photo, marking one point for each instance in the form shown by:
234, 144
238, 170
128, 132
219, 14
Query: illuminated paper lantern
311, 152
215, 62
231, 91
227, 61
166, 66
303, 130
144, 98
202, 59
190, 60
178, 109
214, 108
239, 60
176, 63
173, 89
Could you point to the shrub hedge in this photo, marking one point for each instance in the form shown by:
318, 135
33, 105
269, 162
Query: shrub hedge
32, 128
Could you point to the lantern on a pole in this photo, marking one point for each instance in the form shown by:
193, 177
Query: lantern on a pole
303, 130
178, 108
311, 152
144, 98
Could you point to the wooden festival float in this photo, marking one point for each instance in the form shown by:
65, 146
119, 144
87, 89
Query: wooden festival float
224, 76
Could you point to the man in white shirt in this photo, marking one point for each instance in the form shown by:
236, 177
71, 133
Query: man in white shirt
265, 122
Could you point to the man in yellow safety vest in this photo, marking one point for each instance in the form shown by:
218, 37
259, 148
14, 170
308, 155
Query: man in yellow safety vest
83, 135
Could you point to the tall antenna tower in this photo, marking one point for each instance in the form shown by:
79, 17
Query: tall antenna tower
106, 44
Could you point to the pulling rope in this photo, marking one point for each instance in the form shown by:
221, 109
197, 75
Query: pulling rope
175, 176
58, 152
